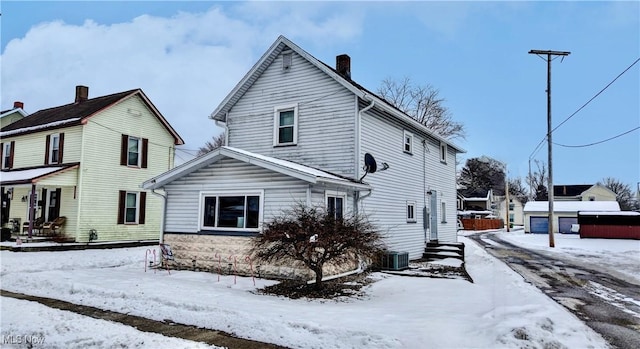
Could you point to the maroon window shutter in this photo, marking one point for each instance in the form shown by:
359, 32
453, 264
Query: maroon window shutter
145, 150
123, 150
143, 207
60, 148
11, 152
122, 198
1, 154
46, 150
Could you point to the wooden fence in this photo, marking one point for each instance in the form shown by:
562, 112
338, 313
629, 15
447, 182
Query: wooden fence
482, 224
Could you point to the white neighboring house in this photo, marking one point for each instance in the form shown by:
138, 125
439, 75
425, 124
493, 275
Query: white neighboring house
536, 214
298, 131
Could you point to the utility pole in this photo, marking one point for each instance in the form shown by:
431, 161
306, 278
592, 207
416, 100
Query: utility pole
506, 196
549, 58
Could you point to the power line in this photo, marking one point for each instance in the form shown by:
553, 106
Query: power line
594, 143
582, 107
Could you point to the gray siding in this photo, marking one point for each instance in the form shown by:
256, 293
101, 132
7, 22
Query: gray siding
281, 192
404, 181
326, 113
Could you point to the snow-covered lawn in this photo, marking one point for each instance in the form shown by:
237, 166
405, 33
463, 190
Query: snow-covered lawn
499, 310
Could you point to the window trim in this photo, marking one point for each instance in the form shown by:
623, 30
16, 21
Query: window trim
52, 141
141, 207
226, 193
276, 124
139, 160
335, 194
411, 214
407, 134
443, 152
8, 156
143, 149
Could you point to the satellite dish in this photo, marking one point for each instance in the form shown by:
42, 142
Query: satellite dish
370, 165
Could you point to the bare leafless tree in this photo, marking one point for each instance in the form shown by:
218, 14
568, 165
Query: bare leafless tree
314, 236
624, 195
537, 180
518, 189
422, 103
215, 143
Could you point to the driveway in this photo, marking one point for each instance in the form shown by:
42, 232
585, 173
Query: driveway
605, 302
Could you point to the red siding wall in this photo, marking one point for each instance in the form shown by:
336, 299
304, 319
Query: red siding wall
610, 231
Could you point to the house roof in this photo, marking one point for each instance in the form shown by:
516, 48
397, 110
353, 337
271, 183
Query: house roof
272, 53
33, 175
78, 113
289, 168
11, 111
570, 190
571, 206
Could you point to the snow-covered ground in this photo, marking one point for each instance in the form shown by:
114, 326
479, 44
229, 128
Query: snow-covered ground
499, 310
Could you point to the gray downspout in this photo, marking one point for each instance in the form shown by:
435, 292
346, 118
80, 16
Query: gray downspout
164, 213
424, 189
358, 198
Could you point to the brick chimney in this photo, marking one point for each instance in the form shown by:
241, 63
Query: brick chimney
18, 104
343, 66
82, 93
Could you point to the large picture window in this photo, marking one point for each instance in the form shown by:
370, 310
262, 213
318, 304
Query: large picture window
285, 125
231, 211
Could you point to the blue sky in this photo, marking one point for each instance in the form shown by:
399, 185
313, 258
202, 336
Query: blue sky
188, 55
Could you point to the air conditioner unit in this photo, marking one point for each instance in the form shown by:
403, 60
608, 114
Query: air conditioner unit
392, 260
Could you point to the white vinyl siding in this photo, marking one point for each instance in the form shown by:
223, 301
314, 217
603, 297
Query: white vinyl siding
325, 117
404, 182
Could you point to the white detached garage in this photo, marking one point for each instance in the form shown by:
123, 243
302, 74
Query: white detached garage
536, 214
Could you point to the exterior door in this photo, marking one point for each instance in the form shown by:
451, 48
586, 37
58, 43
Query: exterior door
433, 216
53, 204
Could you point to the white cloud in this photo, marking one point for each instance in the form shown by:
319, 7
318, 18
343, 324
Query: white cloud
186, 64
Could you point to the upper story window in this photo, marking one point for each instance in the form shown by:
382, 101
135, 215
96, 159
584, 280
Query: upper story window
133, 151
511, 207
408, 142
411, 211
443, 153
6, 154
287, 59
132, 207
53, 148
231, 211
335, 203
286, 125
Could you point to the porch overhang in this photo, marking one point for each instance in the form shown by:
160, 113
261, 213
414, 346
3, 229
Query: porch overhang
61, 175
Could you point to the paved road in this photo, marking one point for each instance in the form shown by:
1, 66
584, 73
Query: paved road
607, 304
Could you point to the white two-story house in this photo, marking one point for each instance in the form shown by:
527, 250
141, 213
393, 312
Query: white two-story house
299, 130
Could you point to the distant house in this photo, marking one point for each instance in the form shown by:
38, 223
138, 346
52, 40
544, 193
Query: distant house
12, 115
536, 214
473, 204
583, 192
299, 131
516, 209
85, 161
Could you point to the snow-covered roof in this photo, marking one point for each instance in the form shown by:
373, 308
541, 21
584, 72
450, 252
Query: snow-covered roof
38, 127
608, 213
31, 175
306, 173
571, 206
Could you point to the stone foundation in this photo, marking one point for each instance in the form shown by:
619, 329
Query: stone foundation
230, 255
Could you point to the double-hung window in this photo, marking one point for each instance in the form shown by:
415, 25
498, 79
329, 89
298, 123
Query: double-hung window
133, 152
408, 142
443, 212
53, 148
6, 154
285, 125
411, 211
336, 202
131, 207
443, 153
231, 211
